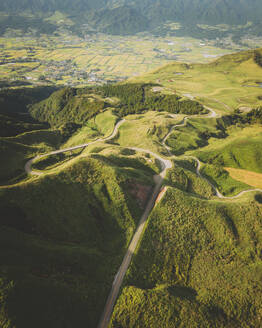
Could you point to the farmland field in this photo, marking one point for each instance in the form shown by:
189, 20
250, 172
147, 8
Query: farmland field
96, 58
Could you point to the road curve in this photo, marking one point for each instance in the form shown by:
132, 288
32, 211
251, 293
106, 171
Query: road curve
28, 165
183, 123
212, 114
217, 192
165, 164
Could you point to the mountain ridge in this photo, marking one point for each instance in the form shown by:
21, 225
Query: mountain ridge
142, 15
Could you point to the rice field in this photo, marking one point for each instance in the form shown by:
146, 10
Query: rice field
111, 57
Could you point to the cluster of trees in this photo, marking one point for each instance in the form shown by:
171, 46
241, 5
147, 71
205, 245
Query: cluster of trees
254, 116
77, 106
68, 105
135, 98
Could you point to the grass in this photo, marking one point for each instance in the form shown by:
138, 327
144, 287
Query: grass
221, 81
225, 183
101, 125
198, 265
13, 159
241, 149
146, 130
194, 135
250, 178
16, 151
67, 248
182, 176
43, 138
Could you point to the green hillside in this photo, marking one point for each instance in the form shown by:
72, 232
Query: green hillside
66, 224
198, 265
78, 106
231, 82
59, 253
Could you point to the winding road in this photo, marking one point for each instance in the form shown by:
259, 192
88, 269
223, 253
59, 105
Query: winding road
28, 165
217, 192
165, 165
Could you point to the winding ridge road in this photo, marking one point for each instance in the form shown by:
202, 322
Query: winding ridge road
165, 165
28, 165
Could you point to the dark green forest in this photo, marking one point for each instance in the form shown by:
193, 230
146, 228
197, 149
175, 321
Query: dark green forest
79, 105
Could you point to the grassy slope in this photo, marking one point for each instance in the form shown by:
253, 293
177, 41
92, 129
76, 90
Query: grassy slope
248, 177
198, 265
218, 84
241, 150
15, 151
63, 238
194, 135
99, 126
146, 130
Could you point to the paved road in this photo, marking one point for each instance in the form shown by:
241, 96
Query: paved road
212, 114
166, 164
28, 165
218, 193
183, 123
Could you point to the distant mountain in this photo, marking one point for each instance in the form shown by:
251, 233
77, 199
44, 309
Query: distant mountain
132, 16
15, 6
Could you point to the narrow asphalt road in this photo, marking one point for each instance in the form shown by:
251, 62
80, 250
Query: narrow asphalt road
165, 165
28, 165
218, 193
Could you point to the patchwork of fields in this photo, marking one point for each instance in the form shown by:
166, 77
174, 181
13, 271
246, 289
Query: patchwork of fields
97, 58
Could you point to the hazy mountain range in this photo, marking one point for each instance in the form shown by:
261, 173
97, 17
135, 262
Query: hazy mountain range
131, 16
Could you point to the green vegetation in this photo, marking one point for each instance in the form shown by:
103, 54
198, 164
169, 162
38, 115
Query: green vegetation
11, 125
68, 105
231, 82
237, 150
135, 98
18, 100
100, 126
198, 265
222, 180
146, 130
16, 151
195, 134
183, 176
59, 254
13, 159
64, 233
